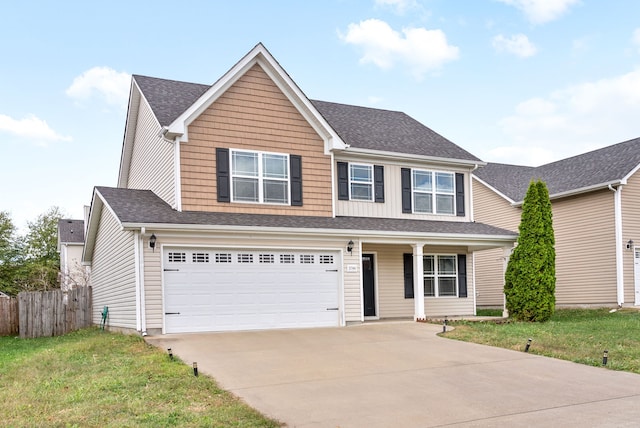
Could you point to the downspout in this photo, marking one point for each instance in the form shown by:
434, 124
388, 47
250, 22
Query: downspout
471, 216
617, 209
136, 251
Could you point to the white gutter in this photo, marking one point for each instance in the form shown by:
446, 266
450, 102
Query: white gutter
136, 252
581, 190
617, 204
409, 156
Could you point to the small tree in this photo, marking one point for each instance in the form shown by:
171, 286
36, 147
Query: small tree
530, 279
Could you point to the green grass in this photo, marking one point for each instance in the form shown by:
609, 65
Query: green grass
579, 335
489, 312
95, 378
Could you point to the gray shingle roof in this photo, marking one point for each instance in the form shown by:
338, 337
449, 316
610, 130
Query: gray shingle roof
360, 127
71, 231
144, 207
599, 167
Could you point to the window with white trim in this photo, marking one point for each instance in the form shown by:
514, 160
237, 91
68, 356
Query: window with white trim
433, 192
259, 177
440, 275
361, 182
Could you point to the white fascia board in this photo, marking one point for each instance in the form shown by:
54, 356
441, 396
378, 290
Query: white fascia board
431, 238
628, 176
129, 133
494, 190
381, 154
579, 191
258, 55
97, 203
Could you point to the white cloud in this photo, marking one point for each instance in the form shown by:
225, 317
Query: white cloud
399, 6
419, 49
517, 44
104, 81
572, 120
636, 38
31, 127
542, 11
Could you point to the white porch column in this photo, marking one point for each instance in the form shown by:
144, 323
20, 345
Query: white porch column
506, 254
418, 282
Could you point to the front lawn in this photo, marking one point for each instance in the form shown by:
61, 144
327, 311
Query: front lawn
96, 378
579, 335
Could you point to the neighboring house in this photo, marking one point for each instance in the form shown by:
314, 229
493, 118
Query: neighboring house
245, 205
595, 199
70, 245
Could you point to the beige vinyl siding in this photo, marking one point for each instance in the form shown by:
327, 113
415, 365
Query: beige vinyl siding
152, 160
630, 230
585, 249
153, 269
491, 208
253, 114
392, 205
113, 273
390, 284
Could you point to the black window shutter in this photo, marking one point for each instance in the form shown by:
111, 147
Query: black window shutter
378, 182
295, 169
343, 181
459, 194
462, 275
405, 175
408, 276
223, 175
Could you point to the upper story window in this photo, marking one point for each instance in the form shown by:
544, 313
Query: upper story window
259, 177
433, 192
361, 182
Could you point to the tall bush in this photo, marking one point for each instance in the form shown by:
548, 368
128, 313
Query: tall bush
530, 279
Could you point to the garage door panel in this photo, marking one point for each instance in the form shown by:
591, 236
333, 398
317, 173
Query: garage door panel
277, 289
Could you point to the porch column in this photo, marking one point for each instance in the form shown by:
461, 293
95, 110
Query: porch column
418, 282
506, 254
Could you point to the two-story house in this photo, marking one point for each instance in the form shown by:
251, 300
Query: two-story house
245, 205
595, 198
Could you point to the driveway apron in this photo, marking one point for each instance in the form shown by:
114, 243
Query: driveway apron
401, 374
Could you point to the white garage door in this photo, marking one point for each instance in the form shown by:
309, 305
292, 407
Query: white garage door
220, 290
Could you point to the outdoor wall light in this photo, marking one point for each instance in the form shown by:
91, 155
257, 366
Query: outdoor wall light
629, 244
152, 242
350, 246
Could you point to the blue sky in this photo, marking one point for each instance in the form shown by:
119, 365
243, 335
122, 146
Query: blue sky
513, 81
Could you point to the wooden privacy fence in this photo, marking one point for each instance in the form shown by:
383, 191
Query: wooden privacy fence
8, 317
53, 313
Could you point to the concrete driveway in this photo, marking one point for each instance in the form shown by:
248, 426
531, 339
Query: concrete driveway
402, 375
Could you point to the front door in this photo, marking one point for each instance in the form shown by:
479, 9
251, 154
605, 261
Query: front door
368, 286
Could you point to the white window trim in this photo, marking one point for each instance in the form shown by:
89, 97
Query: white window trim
260, 177
433, 192
436, 277
370, 183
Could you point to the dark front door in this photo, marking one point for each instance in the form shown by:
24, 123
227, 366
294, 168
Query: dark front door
368, 287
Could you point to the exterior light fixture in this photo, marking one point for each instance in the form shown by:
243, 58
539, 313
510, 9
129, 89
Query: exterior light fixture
630, 244
152, 242
350, 246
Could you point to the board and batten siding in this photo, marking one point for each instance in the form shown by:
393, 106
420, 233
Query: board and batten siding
392, 205
113, 275
351, 285
630, 231
390, 284
253, 114
152, 160
584, 229
490, 208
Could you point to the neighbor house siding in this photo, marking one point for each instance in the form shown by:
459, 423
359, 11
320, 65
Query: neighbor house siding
152, 160
390, 283
392, 205
585, 249
491, 208
631, 230
253, 114
153, 267
113, 273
